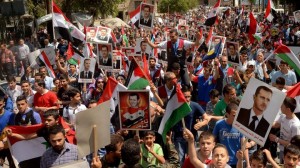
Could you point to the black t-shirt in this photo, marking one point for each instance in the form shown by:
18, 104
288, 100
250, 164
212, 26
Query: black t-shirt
43, 132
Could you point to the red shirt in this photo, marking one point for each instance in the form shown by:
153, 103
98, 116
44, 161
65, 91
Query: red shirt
48, 99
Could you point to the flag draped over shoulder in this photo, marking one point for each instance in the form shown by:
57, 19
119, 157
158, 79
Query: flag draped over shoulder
64, 27
27, 152
70, 135
43, 57
110, 93
137, 78
177, 108
212, 15
288, 56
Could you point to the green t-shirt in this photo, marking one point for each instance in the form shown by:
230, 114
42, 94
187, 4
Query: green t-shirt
220, 108
148, 160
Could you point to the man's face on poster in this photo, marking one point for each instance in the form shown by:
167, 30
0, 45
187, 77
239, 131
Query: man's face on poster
217, 40
103, 32
182, 30
262, 100
133, 101
297, 16
231, 50
92, 33
146, 12
143, 46
87, 64
128, 53
104, 52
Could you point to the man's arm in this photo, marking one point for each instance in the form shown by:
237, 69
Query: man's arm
150, 43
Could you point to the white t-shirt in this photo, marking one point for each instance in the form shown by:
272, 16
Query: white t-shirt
69, 112
288, 128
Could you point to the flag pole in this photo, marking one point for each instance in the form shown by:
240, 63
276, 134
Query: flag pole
52, 19
95, 140
268, 57
183, 123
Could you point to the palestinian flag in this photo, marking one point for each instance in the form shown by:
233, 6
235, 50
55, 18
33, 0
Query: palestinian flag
110, 93
135, 16
137, 79
64, 27
27, 153
177, 108
251, 27
268, 14
73, 55
294, 92
43, 57
288, 56
212, 16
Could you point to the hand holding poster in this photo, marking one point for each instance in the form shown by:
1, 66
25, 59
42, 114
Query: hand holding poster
257, 110
147, 15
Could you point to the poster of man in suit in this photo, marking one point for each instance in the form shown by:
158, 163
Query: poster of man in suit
103, 34
297, 16
147, 15
104, 56
116, 61
216, 40
232, 52
142, 48
87, 68
257, 110
183, 31
91, 34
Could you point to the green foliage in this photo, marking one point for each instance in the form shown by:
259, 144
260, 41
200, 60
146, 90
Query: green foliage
38, 10
177, 5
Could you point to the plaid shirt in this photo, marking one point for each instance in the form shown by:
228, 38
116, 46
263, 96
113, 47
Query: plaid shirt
51, 158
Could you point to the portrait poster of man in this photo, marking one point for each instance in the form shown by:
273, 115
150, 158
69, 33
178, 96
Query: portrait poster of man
182, 22
183, 31
232, 52
104, 52
134, 110
216, 40
297, 16
87, 68
116, 61
142, 48
257, 110
147, 15
91, 34
103, 34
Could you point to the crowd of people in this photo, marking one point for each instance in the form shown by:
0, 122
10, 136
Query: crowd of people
213, 89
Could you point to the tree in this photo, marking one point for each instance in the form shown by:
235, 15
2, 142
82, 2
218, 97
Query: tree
172, 6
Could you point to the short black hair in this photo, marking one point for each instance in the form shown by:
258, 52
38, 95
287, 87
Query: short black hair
55, 129
290, 103
292, 149
25, 81
230, 107
2, 98
130, 152
63, 77
114, 140
41, 83
174, 31
134, 94
10, 78
214, 93
21, 97
227, 88
259, 156
296, 140
73, 92
51, 112
280, 81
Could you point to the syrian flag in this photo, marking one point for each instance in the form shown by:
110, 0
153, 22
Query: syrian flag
288, 56
294, 92
135, 16
212, 16
268, 14
251, 27
47, 63
73, 55
238, 19
110, 93
137, 79
209, 37
70, 135
64, 27
177, 108
26, 153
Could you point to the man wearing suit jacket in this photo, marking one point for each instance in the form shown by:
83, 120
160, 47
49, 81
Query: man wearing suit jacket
105, 59
146, 19
253, 118
117, 64
143, 45
103, 35
232, 53
86, 73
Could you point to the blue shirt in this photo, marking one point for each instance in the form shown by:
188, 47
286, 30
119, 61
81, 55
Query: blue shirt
290, 77
36, 116
4, 119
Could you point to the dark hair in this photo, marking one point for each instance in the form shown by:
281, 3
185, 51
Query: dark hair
41, 83
218, 145
142, 42
63, 77
206, 134
214, 93
185, 89
73, 92
2, 98
146, 133
55, 129
38, 74
292, 149
147, 6
134, 94
104, 46
114, 140
152, 58
280, 81
283, 62
174, 31
10, 78
42, 67
51, 112
259, 156
296, 140
290, 103
92, 101
25, 81
227, 88
21, 97
130, 152
56, 79
231, 106
87, 59
230, 44
265, 88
